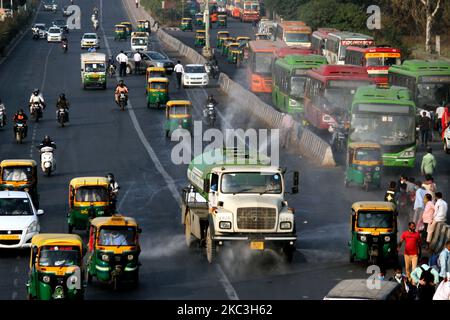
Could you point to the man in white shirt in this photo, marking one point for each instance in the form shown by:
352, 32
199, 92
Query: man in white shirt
440, 215
442, 291
439, 113
123, 61
179, 70
137, 62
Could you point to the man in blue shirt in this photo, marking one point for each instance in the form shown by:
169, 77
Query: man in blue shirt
444, 261
418, 202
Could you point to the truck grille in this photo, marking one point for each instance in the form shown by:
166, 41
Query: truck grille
256, 218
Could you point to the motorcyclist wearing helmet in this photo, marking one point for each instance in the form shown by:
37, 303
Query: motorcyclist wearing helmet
20, 117
113, 189
211, 99
36, 96
62, 103
121, 88
3, 109
47, 142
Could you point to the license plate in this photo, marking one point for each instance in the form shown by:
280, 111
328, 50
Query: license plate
9, 237
257, 245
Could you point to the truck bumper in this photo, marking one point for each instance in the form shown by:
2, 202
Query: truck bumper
269, 240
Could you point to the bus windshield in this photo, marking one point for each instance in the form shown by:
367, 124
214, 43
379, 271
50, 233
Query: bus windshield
297, 87
262, 62
384, 124
432, 94
297, 37
338, 99
381, 62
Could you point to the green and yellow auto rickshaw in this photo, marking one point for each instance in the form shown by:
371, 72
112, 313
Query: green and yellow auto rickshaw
178, 116
222, 21
120, 32
143, 26
221, 36
186, 24
200, 39
129, 27
243, 41
225, 45
89, 197
56, 267
20, 175
113, 252
234, 53
157, 92
364, 164
155, 72
373, 232
199, 20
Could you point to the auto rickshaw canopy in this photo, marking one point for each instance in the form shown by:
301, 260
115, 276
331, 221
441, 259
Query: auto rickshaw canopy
120, 26
18, 162
373, 205
200, 33
158, 80
234, 47
114, 220
186, 20
128, 24
172, 103
56, 239
89, 181
374, 158
242, 38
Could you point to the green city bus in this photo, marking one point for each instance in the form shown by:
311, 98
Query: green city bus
288, 81
386, 115
428, 81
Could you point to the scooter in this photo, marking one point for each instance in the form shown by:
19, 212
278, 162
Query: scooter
36, 111
112, 70
64, 47
62, 116
210, 113
36, 34
47, 160
95, 22
122, 101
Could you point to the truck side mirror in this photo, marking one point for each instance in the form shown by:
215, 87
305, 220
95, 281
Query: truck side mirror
295, 184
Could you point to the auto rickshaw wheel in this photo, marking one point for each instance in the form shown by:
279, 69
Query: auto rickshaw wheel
351, 257
128, 70
211, 248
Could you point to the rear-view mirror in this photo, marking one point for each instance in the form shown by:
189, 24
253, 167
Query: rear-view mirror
40, 212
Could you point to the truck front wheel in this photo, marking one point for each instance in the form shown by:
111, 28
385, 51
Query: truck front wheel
211, 249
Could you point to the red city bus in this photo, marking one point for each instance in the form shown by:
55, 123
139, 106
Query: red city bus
285, 51
235, 12
376, 60
249, 11
329, 92
259, 64
319, 37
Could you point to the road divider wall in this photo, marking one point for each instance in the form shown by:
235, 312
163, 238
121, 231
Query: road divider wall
440, 236
299, 139
184, 50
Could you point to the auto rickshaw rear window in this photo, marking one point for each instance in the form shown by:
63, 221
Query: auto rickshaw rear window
17, 174
180, 109
95, 67
367, 155
15, 207
91, 194
117, 236
158, 85
59, 256
375, 219
139, 41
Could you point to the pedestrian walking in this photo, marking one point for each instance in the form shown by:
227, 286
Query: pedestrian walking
287, 123
424, 265
428, 163
179, 70
137, 3
424, 127
425, 278
418, 201
445, 122
137, 62
404, 204
123, 61
439, 114
391, 193
401, 279
411, 238
439, 216
444, 262
427, 216
429, 185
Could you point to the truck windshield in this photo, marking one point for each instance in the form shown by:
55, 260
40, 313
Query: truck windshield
374, 219
91, 194
59, 257
381, 126
117, 236
15, 207
95, 67
251, 182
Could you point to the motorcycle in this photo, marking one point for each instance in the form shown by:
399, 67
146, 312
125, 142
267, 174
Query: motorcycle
209, 112
36, 34
212, 70
112, 70
36, 111
19, 129
62, 116
339, 138
2, 118
95, 23
47, 160
64, 47
123, 98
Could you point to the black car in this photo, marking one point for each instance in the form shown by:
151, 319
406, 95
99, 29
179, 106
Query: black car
61, 24
151, 59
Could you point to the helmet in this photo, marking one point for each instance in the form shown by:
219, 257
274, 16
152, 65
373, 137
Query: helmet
20, 110
210, 96
121, 83
62, 96
110, 177
47, 138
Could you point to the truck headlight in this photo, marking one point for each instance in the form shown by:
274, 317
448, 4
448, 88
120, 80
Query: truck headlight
225, 225
105, 257
130, 257
33, 227
285, 225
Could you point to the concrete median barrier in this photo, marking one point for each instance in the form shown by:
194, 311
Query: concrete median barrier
299, 139
184, 50
439, 235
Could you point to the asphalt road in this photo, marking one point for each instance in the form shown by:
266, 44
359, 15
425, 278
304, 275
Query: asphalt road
131, 144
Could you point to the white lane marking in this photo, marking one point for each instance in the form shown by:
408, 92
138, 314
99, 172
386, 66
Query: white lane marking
167, 178
229, 289
125, 196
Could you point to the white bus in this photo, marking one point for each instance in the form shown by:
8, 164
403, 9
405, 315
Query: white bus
337, 42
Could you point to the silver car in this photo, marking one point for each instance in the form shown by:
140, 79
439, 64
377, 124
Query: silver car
150, 59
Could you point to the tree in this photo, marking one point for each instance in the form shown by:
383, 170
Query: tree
432, 7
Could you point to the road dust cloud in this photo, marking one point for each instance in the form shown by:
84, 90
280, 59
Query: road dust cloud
163, 246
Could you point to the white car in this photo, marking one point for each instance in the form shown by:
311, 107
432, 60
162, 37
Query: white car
42, 30
50, 6
90, 40
19, 220
447, 140
54, 34
195, 75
